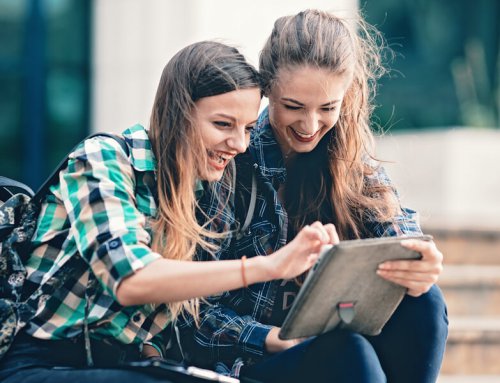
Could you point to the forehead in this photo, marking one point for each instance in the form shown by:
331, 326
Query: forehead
241, 104
308, 81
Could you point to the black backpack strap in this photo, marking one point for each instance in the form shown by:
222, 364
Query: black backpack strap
54, 177
10, 187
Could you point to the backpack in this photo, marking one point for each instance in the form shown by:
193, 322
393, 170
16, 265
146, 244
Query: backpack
19, 210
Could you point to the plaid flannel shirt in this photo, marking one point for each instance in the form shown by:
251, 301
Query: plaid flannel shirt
101, 210
235, 324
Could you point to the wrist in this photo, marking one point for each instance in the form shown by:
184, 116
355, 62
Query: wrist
259, 269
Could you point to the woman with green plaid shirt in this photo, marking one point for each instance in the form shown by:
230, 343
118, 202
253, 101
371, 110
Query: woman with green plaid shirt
131, 220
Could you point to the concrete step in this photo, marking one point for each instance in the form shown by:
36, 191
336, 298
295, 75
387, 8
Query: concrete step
468, 246
473, 346
471, 289
469, 379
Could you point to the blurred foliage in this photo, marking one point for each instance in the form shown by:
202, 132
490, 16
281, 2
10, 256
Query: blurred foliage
447, 66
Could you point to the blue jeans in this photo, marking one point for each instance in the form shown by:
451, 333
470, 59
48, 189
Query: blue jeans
31, 360
409, 349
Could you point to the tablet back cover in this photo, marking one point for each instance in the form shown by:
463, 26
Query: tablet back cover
344, 283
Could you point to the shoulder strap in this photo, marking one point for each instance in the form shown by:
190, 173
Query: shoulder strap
251, 206
9, 187
53, 178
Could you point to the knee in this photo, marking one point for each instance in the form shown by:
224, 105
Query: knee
356, 355
427, 313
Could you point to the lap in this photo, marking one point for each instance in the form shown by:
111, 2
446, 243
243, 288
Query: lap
72, 375
340, 356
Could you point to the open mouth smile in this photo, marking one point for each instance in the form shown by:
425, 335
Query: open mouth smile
218, 160
302, 137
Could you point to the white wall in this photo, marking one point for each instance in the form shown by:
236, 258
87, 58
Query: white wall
134, 39
452, 177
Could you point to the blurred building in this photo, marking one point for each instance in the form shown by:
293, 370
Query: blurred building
70, 67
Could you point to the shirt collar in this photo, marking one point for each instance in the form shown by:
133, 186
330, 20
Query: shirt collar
266, 150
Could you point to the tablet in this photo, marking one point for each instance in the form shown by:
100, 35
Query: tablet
343, 290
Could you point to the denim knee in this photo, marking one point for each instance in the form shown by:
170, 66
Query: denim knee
354, 356
427, 314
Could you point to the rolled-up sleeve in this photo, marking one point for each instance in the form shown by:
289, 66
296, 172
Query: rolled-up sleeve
97, 189
405, 223
223, 335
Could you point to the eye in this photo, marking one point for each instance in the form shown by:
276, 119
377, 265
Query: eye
329, 109
291, 107
248, 129
222, 124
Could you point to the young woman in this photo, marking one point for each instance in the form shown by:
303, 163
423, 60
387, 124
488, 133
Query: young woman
313, 155
101, 215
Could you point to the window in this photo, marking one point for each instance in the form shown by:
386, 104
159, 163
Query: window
45, 78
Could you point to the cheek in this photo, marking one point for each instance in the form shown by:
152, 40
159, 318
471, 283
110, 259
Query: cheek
333, 118
280, 118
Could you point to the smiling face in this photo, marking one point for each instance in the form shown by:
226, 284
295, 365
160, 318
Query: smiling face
304, 105
225, 122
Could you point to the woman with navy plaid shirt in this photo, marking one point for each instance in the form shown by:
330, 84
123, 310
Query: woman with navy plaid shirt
126, 219
312, 151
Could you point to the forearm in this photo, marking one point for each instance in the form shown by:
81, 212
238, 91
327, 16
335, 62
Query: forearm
167, 280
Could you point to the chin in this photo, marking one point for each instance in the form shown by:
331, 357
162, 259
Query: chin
212, 176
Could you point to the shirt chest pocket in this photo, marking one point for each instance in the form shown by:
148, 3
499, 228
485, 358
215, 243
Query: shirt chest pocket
258, 239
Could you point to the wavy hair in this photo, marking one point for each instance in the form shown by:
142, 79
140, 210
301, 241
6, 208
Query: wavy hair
332, 183
199, 70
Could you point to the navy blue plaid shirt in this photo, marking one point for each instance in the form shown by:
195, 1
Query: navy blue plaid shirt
234, 326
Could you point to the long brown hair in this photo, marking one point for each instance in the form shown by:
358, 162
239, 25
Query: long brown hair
199, 70
330, 183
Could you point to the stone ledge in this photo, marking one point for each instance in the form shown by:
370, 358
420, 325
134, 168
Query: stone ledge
474, 330
469, 275
450, 378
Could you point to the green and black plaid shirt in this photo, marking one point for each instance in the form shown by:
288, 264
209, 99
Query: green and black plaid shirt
101, 209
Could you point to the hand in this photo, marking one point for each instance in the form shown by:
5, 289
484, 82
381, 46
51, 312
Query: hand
274, 344
149, 352
417, 276
300, 254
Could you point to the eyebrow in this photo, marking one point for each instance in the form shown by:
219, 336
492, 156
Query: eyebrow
301, 104
223, 115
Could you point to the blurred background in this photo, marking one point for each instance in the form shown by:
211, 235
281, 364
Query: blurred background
72, 67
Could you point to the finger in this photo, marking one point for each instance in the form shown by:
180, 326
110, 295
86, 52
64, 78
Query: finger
408, 276
324, 234
312, 258
414, 288
311, 238
332, 233
428, 249
310, 233
417, 266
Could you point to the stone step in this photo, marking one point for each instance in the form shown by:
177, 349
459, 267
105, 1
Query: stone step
471, 289
469, 379
468, 246
473, 346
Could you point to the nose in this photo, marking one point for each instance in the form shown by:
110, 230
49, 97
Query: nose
311, 123
238, 141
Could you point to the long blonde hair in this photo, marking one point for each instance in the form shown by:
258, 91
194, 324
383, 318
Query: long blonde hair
200, 70
329, 183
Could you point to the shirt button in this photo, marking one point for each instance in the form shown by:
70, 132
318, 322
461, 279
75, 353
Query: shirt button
114, 244
136, 318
